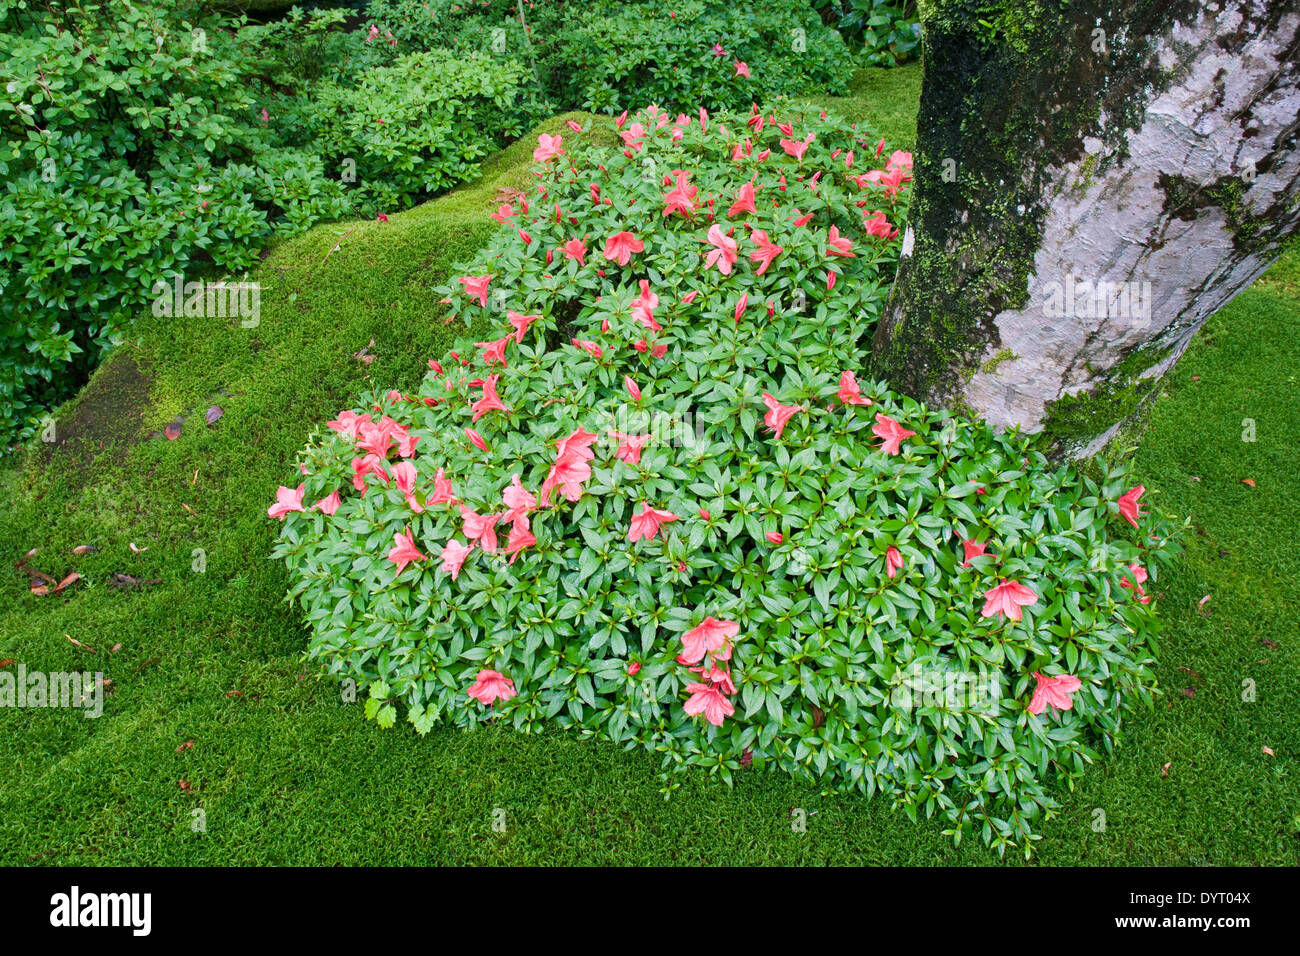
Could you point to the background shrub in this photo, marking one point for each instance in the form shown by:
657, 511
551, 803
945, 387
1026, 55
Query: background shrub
420, 125
887, 32
610, 55
483, 549
131, 152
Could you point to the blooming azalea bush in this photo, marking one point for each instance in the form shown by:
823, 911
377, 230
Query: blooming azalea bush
654, 498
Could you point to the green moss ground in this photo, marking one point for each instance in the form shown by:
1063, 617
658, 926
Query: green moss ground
288, 773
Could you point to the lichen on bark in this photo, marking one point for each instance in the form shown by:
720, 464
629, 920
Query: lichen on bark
1055, 116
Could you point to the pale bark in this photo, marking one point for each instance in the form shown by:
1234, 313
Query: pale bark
1169, 171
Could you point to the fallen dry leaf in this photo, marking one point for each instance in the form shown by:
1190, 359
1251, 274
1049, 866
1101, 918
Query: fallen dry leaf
7, 661
40, 590
214, 413
188, 745
85, 549
84, 647
1164, 771
234, 693
1269, 751
72, 578
1189, 691
173, 431
185, 785
1247, 481
189, 509
138, 550
115, 648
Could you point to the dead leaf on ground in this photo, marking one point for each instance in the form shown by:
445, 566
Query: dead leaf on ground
1269, 751
173, 431
85, 549
188, 745
115, 648
213, 414
1247, 481
7, 661
234, 693
364, 355
185, 785
1164, 771
138, 550
71, 579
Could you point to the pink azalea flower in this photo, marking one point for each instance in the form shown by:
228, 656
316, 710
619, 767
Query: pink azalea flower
777, 414
442, 494
718, 50
708, 700
1128, 504
877, 225
767, 250
838, 245
742, 69
797, 149
591, 348
505, 212
286, 500
644, 306
490, 402
495, 351
620, 247
744, 201
775, 537
404, 477
346, 424
453, 557
740, 307
893, 561
972, 549
517, 499
629, 447
404, 551
520, 323
850, 393
369, 465
476, 287
480, 529
900, 160
646, 524
520, 537
632, 388
329, 504
1139, 579
723, 253
891, 432
706, 637
548, 147
1055, 691
576, 249
476, 439
491, 686
830, 279
681, 198
1007, 598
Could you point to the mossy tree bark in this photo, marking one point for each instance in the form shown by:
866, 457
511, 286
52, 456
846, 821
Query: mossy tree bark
1093, 180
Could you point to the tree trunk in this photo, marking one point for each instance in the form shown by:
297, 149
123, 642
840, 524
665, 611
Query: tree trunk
1093, 180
